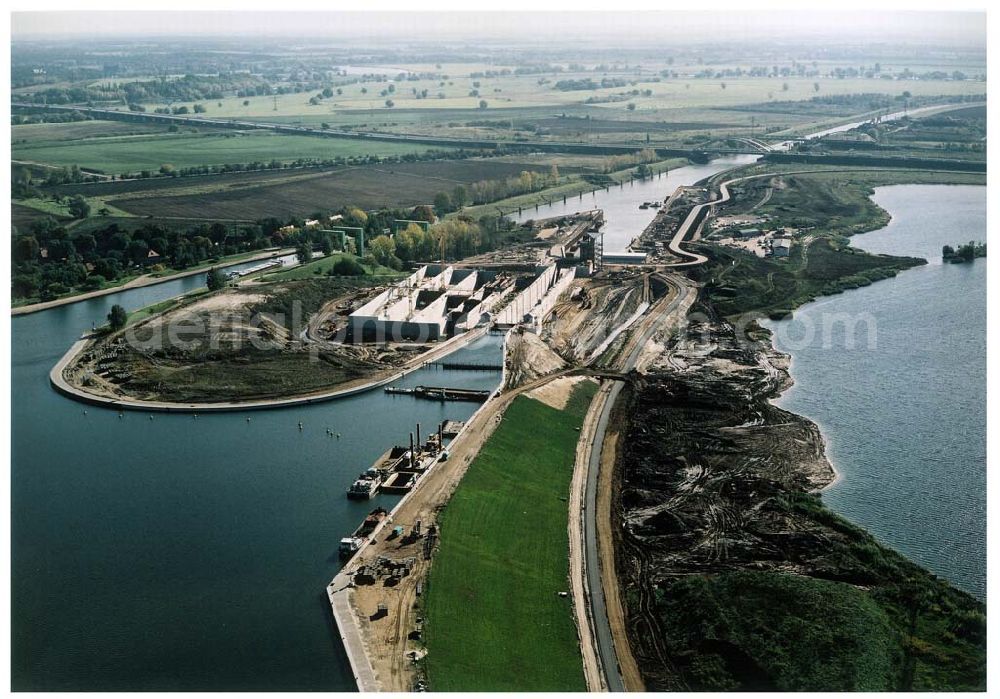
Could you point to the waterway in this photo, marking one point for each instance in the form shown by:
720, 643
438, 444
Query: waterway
904, 416
181, 553
624, 220
184, 553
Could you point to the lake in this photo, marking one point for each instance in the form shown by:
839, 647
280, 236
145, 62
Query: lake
904, 416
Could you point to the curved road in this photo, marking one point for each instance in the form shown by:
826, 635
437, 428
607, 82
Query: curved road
601, 628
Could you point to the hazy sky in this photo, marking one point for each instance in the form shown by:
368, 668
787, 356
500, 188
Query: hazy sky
949, 27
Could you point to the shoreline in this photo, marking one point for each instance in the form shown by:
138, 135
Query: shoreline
767, 323
59, 382
141, 281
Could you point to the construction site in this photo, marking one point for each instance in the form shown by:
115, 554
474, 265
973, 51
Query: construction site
565, 328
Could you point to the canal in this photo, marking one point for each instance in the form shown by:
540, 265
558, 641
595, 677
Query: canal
624, 219
184, 553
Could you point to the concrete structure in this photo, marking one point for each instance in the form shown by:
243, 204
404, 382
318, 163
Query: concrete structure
357, 233
780, 247
625, 258
432, 303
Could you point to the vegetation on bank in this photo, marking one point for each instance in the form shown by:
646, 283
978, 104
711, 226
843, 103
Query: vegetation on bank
739, 282
495, 620
964, 253
823, 209
214, 357
867, 619
576, 186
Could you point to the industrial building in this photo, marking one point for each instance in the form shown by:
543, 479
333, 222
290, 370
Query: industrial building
433, 303
625, 258
780, 247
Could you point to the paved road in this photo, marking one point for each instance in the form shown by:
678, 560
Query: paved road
603, 636
605, 641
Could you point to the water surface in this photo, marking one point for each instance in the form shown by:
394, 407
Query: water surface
180, 553
904, 417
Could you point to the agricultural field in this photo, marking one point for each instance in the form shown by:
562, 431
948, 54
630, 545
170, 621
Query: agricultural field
115, 155
33, 134
287, 193
494, 620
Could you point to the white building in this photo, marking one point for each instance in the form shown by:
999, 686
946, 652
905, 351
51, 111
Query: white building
433, 303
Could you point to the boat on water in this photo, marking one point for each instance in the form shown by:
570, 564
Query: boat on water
350, 545
366, 485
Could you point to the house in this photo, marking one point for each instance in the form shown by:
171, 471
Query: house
748, 233
152, 257
781, 247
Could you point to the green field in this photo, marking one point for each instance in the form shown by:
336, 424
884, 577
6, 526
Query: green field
322, 266
494, 620
77, 130
301, 192
135, 153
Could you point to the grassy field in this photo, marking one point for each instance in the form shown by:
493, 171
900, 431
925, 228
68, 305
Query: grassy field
135, 153
525, 92
301, 192
881, 623
494, 619
26, 134
322, 266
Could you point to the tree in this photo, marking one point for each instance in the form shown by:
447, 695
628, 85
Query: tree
26, 249
815, 87
326, 244
199, 109
78, 207
215, 280
304, 252
483, 104
346, 267
383, 249
442, 203
423, 213
117, 317
631, 106
390, 104
784, 87
459, 197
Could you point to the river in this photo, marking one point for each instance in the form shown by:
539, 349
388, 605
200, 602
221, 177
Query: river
181, 553
904, 418
624, 219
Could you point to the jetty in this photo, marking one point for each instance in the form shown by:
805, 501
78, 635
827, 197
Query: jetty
440, 393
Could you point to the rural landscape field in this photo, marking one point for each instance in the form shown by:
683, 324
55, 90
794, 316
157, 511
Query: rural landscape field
603, 351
